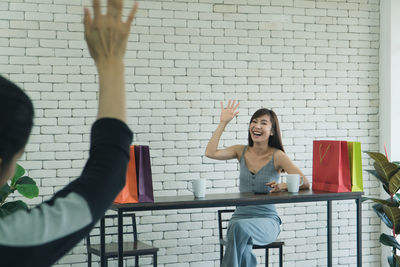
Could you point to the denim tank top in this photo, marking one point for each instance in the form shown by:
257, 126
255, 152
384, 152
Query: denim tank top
250, 182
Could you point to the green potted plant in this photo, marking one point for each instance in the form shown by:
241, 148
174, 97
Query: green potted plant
388, 209
25, 185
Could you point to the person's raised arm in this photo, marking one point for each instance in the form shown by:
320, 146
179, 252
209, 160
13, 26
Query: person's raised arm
212, 151
106, 37
58, 224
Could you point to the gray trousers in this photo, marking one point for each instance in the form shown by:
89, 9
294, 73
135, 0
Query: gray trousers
242, 234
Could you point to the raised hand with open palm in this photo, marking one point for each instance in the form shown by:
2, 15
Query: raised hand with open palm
230, 112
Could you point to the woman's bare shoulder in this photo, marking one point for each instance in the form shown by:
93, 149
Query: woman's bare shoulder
279, 155
238, 150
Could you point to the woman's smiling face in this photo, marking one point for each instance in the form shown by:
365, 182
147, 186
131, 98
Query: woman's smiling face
261, 128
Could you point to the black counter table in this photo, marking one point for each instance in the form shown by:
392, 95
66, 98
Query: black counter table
243, 199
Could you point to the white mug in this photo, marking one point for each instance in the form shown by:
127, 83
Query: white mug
198, 188
293, 182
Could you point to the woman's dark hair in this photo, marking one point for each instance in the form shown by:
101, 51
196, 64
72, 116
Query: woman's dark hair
275, 140
16, 120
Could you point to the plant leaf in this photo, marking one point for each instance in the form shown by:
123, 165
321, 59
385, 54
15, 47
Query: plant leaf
397, 259
394, 216
28, 190
392, 261
386, 188
19, 171
13, 206
375, 173
397, 163
26, 180
378, 208
391, 169
386, 202
394, 183
389, 240
27, 187
4, 192
385, 169
377, 156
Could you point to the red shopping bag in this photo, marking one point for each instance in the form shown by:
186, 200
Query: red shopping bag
331, 167
129, 194
143, 174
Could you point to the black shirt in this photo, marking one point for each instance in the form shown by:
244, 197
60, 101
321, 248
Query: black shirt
42, 235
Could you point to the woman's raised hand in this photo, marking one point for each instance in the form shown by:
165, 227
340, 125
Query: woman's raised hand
107, 35
228, 113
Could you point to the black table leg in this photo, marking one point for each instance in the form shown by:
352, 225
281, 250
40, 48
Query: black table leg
359, 232
120, 240
102, 243
329, 231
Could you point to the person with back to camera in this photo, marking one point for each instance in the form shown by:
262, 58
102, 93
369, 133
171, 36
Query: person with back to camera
261, 163
42, 235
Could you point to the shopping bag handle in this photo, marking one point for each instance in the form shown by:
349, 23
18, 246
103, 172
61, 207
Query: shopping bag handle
326, 151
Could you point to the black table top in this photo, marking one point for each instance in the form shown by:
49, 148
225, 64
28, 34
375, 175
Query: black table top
234, 199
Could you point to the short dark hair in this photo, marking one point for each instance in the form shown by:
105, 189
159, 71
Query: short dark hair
16, 120
275, 140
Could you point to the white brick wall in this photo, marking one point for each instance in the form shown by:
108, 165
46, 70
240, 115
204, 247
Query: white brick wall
314, 62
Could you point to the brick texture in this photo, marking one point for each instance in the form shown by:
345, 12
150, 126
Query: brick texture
314, 62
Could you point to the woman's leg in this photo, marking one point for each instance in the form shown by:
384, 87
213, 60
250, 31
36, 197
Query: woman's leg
242, 234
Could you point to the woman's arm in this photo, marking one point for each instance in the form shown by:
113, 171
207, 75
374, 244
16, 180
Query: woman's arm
106, 37
212, 151
45, 233
283, 162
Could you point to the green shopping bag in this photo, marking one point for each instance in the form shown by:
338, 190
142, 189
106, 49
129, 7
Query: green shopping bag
354, 149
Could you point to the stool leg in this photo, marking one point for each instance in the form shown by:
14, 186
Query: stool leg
281, 256
89, 260
137, 261
221, 253
155, 259
266, 257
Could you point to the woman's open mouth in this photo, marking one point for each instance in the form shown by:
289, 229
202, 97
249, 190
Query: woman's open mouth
257, 133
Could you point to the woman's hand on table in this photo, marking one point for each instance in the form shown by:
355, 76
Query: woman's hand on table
277, 187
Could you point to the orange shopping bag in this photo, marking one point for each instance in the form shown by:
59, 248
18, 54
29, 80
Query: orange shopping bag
129, 194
